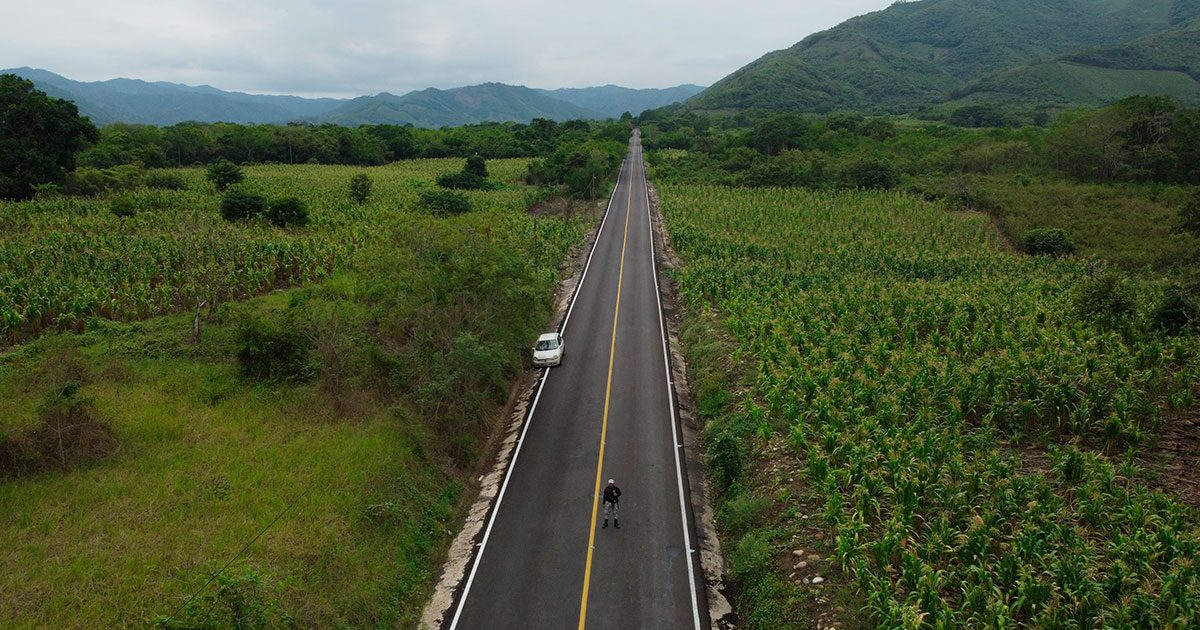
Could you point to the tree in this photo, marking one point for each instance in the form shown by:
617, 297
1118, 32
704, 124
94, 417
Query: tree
39, 137
1188, 220
976, 116
476, 165
360, 188
871, 174
224, 174
778, 133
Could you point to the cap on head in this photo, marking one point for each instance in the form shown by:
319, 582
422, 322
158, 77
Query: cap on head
610, 481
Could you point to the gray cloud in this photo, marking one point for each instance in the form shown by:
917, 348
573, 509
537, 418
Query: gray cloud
354, 47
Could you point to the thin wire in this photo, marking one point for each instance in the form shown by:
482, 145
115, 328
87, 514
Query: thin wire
241, 551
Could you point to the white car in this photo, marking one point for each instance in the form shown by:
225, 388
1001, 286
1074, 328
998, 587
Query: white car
548, 351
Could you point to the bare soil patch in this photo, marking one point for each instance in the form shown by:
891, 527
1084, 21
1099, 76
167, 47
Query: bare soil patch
566, 207
1173, 463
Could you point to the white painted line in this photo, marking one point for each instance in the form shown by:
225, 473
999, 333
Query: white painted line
662, 326
512, 464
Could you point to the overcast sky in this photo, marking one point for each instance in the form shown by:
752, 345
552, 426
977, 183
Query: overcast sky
356, 47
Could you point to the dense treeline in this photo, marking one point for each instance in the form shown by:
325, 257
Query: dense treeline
43, 139
191, 143
1140, 139
579, 157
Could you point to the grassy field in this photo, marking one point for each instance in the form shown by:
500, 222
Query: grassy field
352, 470
956, 426
1130, 225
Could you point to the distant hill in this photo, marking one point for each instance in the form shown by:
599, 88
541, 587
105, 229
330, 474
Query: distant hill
161, 103
495, 102
614, 100
915, 54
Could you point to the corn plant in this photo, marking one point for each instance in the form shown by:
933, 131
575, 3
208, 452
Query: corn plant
901, 347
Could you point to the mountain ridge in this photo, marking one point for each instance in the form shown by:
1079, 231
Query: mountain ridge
164, 103
432, 107
614, 100
916, 54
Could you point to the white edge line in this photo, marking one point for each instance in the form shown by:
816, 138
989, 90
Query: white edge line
687, 538
596, 242
512, 464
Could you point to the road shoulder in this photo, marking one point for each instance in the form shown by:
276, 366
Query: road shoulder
712, 563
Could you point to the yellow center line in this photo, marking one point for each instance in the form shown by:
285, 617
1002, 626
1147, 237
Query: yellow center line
587, 572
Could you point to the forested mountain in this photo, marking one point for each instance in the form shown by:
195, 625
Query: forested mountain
489, 102
614, 100
915, 54
161, 103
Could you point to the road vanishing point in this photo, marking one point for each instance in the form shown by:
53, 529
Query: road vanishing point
608, 411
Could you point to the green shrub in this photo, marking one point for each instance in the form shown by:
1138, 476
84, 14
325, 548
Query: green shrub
1047, 242
90, 182
165, 181
286, 212
360, 188
724, 462
1106, 296
123, 206
238, 204
48, 190
1177, 310
752, 557
742, 513
790, 168
870, 174
463, 181
224, 174
274, 351
445, 202
240, 600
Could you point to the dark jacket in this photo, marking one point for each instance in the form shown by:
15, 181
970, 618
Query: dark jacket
611, 494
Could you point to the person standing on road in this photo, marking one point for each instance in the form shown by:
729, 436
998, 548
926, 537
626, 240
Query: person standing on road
612, 496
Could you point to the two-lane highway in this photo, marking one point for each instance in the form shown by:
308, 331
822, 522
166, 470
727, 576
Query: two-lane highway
606, 412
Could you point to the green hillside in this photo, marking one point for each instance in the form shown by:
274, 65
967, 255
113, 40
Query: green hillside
434, 108
1166, 64
915, 54
1066, 83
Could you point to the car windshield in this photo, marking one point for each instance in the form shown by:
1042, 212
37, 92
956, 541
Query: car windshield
547, 344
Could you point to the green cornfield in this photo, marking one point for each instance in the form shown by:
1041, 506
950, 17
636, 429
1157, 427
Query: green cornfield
66, 260
904, 353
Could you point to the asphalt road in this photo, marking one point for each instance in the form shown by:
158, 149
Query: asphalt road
545, 562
